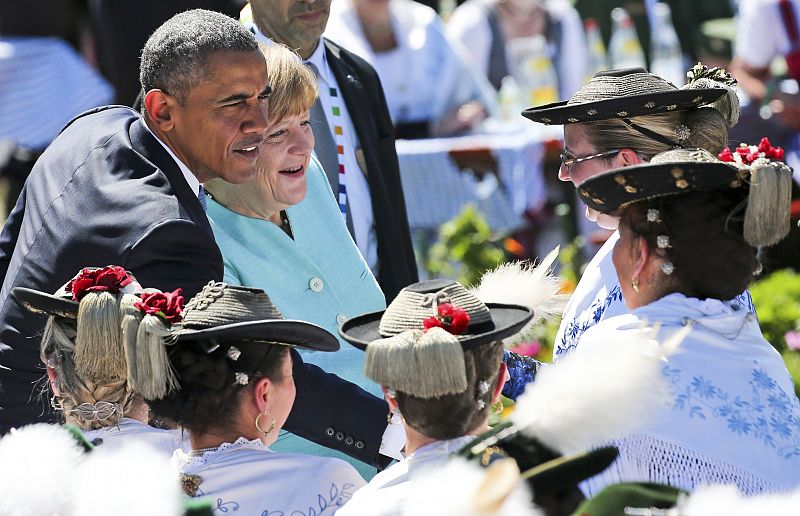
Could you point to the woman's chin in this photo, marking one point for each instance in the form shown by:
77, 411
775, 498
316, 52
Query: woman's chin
601, 219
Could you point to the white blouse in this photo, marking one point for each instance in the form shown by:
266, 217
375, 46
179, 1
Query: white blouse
248, 478
386, 493
165, 441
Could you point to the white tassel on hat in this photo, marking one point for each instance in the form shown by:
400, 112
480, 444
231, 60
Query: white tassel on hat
767, 219
520, 283
598, 392
425, 364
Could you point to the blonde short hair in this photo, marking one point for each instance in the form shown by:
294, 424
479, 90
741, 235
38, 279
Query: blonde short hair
294, 86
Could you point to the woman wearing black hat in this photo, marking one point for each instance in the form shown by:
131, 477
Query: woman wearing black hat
83, 349
689, 228
227, 380
622, 118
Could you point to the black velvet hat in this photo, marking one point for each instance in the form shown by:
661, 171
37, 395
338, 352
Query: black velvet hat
674, 172
414, 304
627, 93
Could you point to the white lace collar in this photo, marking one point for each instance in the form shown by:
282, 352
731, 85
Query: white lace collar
193, 458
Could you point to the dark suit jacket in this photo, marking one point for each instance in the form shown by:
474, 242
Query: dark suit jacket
363, 95
106, 192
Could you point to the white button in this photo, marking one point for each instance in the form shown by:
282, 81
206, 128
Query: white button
315, 284
340, 319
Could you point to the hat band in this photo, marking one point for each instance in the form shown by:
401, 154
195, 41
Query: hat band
652, 134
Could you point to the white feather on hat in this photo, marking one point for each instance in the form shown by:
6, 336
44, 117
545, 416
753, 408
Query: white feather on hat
37, 466
522, 283
598, 392
459, 488
727, 501
131, 479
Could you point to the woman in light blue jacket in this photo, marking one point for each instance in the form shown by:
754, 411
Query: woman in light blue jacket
283, 232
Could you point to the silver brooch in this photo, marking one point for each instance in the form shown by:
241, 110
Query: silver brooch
572, 119
622, 113
667, 268
483, 387
662, 241
234, 353
682, 133
481, 404
242, 378
653, 215
671, 107
591, 112
650, 105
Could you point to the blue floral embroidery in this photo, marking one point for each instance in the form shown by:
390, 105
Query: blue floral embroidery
585, 320
770, 416
522, 370
226, 506
326, 503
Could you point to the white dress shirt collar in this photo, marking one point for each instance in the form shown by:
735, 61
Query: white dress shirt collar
191, 179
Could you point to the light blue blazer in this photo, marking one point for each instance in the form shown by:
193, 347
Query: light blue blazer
319, 277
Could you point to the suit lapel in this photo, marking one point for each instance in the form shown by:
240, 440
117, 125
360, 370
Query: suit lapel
146, 144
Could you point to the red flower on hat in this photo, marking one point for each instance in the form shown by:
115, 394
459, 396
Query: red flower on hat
166, 305
106, 279
747, 154
452, 319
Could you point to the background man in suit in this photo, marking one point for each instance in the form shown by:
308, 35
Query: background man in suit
117, 187
354, 136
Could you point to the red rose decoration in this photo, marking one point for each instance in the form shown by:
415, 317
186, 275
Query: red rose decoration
454, 320
166, 305
107, 279
726, 155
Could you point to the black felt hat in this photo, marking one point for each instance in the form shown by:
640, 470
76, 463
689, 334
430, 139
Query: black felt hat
543, 468
488, 322
625, 93
674, 172
222, 311
63, 303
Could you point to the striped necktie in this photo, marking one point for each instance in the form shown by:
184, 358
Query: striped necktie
201, 196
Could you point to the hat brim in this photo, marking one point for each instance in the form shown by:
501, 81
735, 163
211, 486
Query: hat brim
609, 191
507, 320
299, 334
570, 470
43, 303
622, 107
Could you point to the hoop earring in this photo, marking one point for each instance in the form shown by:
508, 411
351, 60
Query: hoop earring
258, 424
497, 408
635, 284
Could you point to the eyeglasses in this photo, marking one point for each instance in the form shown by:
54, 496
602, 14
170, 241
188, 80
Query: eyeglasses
568, 160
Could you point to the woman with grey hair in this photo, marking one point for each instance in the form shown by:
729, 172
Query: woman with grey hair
84, 350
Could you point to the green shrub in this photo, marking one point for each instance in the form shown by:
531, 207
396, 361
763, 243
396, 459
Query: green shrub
777, 302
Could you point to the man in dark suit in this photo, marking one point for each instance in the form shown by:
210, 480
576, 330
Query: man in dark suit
116, 187
359, 128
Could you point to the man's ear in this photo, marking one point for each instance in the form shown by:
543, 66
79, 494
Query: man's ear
390, 400
160, 108
53, 376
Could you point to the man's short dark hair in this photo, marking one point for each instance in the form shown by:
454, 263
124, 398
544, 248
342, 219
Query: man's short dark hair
175, 55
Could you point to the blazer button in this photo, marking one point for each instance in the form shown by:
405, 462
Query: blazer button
339, 436
348, 441
340, 319
359, 444
315, 284
329, 431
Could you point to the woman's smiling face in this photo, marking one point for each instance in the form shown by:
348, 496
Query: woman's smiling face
283, 160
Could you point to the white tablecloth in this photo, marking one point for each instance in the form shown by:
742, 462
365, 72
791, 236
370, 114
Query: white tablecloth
436, 189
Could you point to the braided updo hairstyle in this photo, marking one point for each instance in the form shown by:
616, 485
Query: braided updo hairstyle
454, 415
209, 396
57, 351
707, 249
